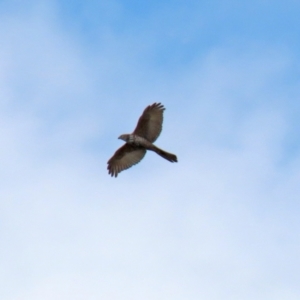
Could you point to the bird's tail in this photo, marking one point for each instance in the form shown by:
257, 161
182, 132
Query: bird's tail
166, 155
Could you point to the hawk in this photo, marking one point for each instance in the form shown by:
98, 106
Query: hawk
137, 143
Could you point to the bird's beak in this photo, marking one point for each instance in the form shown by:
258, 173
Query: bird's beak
119, 137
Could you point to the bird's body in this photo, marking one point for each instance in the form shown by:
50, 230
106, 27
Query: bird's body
135, 140
146, 132
142, 142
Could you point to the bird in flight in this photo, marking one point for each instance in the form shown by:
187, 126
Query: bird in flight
137, 143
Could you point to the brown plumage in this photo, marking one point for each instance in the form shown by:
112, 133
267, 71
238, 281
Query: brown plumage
146, 132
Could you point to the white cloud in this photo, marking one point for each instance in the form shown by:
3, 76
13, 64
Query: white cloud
222, 223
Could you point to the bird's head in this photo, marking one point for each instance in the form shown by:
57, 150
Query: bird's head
124, 137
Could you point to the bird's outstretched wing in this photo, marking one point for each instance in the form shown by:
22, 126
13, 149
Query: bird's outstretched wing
124, 158
150, 122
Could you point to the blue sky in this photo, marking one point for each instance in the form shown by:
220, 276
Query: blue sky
223, 223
